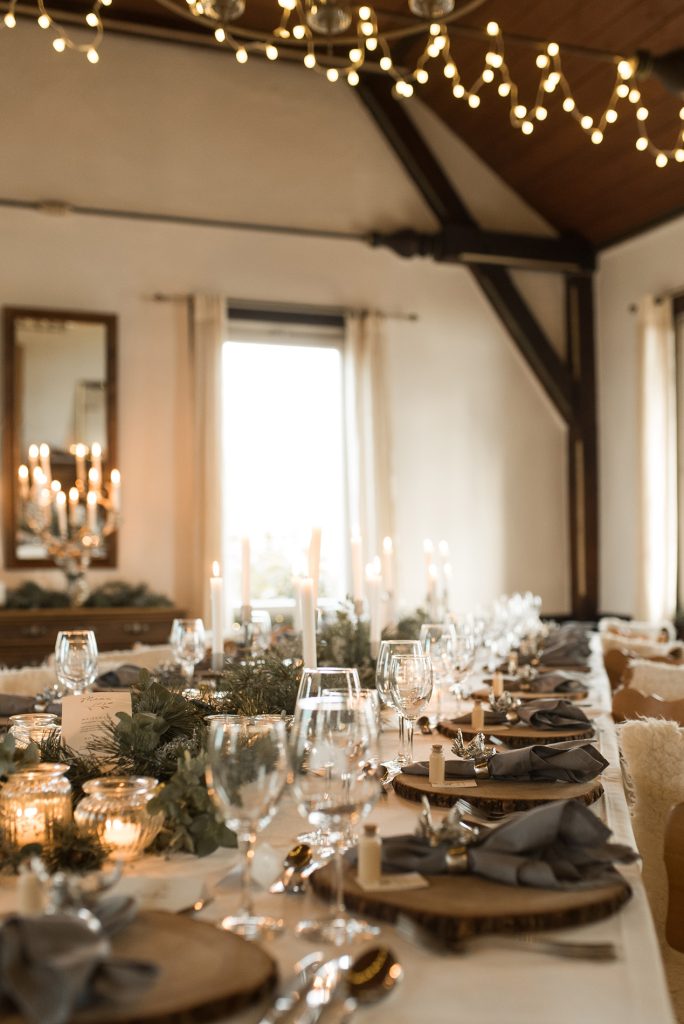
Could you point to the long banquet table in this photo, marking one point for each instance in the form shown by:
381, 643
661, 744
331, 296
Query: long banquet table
485, 985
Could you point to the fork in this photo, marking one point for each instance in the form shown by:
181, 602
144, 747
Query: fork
482, 815
522, 942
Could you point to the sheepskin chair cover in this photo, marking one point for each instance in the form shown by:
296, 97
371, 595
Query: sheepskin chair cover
653, 750
650, 677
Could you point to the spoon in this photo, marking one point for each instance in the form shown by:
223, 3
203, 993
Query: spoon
298, 858
371, 977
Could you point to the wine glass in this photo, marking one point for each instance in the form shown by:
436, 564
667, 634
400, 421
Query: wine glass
247, 768
385, 652
411, 689
438, 640
335, 753
188, 644
317, 681
76, 660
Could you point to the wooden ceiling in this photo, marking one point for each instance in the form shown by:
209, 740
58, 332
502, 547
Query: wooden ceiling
602, 193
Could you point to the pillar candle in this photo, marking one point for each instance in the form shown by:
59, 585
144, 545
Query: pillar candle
33, 453
216, 593
432, 591
246, 560
297, 618
428, 555
91, 511
80, 454
308, 609
115, 489
388, 564
73, 506
96, 457
357, 567
315, 559
45, 462
60, 504
23, 475
94, 480
374, 591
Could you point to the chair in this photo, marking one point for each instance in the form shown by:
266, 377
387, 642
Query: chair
653, 751
674, 865
655, 677
629, 703
617, 660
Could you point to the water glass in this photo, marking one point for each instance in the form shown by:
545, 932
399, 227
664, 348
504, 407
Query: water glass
76, 660
317, 681
188, 644
335, 753
411, 689
247, 768
382, 685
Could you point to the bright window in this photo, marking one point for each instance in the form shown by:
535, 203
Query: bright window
283, 455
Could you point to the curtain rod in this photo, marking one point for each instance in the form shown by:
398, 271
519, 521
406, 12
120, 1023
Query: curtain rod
669, 293
288, 307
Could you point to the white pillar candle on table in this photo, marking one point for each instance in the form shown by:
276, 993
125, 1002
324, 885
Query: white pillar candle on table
216, 593
60, 504
23, 476
73, 506
308, 611
33, 453
91, 511
246, 565
315, 559
80, 454
115, 489
374, 592
297, 617
45, 462
388, 564
357, 567
432, 591
96, 457
477, 718
428, 556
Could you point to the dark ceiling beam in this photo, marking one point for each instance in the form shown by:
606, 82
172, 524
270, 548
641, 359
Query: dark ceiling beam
461, 243
450, 210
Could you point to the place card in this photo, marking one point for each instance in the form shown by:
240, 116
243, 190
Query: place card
84, 716
456, 784
396, 883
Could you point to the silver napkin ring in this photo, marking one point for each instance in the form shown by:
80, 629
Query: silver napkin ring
456, 860
482, 770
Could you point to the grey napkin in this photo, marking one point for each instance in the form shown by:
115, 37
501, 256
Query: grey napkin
552, 682
560, 845
554, 762
490, 718
551, 714
54, 964
124, 677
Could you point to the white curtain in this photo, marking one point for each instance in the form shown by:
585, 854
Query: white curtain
369, 475
199, 447
657, 421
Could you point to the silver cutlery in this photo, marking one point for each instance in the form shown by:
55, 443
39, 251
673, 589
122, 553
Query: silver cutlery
373, 975
194, 908
296, 860
522, 942
286, 1006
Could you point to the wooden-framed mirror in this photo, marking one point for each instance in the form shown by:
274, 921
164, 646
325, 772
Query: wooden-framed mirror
60, 390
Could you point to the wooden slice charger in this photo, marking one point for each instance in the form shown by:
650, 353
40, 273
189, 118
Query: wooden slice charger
204, 973
518, 735
494, 794
455, 907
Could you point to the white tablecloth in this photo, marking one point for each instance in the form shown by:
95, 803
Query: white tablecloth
486, 986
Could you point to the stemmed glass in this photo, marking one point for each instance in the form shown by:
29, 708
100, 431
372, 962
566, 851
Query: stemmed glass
76, 660
188, 644
382, 685
335, 753
247, 768
411, 689
317, 681
438, 640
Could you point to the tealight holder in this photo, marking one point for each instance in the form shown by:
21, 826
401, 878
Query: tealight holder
32, 802
115, 810
33, 728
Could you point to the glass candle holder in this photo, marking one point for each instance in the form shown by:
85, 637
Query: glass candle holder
33, 728
32, 802
115, 810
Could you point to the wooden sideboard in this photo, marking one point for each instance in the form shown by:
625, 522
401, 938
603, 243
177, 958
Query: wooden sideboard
28, 637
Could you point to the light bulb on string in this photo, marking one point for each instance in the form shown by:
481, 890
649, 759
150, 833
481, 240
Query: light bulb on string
495, 60
474, 101
520, 111
541, 113
641, 114
385, 63
586, 122
622, 90
92, 55
332, 74
488, 75
10, 20
551, 81
492, 28
432, 51
458, 91
372, 44
355, 55
634, 96
553, 49
597, 136
435, 29
449, 70
367, 28
422, 76
59, 44
625, 69
271, 52
241, 55
542, 60
504, 89
661, 160
44, 21
641, 143
527, 127
353, 78
299, 31
92, 19
220, 35
309, 60
568, 104
679, 155
611, 115
364, 13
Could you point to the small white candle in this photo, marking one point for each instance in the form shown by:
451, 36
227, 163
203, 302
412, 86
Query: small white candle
374, 591
23, 475
357, 567
30, 825
122, 837
388, 564
60, 504
216, 591
93, 480
45, 462
33, 453
115, 489
498, 684
96, 457
308, 607
80, 454
315, 559
246, 560
477, 718
91, 511
73, 506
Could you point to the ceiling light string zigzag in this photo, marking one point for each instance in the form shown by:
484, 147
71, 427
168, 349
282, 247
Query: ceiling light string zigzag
339, 39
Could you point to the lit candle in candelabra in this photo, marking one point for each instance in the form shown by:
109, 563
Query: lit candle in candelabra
315, 559
388, 564
374, 591
246, 560
432, 592
357, 571
45, 462
216, 591
308, 612
96, 457
60, 505
73, 507
91, 511
94, 479
80, 453
23, 474
428, 555
115, 489
33, 453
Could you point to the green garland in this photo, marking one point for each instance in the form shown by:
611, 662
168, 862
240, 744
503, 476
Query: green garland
117, 594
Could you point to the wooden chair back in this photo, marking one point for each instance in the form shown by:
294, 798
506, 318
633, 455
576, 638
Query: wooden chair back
630, 703
674, 865
615, 663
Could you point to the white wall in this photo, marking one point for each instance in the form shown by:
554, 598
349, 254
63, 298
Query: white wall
650, 263
479, 455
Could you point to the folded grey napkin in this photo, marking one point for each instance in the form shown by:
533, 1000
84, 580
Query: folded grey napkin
559, 845
53, 964
551, 714
124, 677
554, 762
490, 718
552, 682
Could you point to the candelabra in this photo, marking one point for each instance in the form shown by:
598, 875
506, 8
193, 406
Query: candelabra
72, 528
